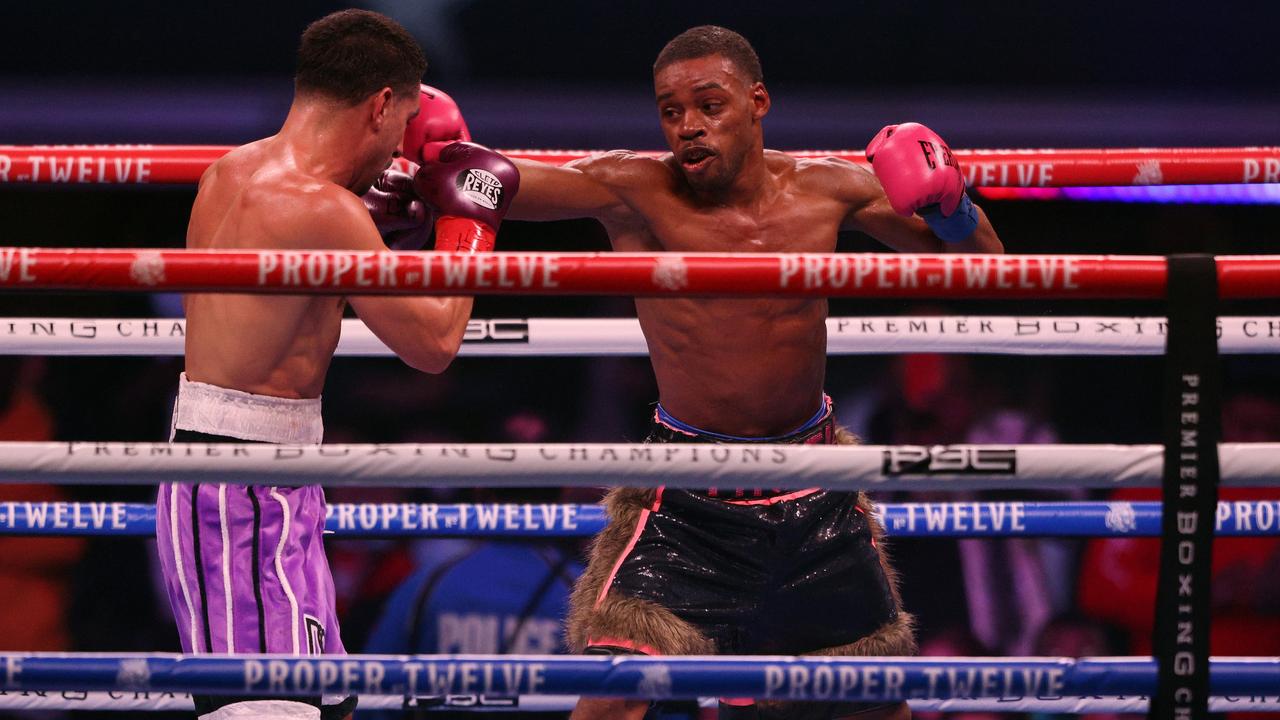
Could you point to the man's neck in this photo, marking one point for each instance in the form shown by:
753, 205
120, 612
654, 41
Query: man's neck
752, 184
318, 137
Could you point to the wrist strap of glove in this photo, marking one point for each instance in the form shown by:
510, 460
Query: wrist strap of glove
455, 234
953, 228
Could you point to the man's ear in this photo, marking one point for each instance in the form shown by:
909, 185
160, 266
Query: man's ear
380, 106
760, 101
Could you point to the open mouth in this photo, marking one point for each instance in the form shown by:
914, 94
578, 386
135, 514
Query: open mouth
696, 158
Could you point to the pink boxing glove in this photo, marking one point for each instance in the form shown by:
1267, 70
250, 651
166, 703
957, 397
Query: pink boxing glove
438, 123
920, 175
916, 168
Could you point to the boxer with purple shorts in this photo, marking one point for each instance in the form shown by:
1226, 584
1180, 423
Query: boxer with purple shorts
268, 590
244, 565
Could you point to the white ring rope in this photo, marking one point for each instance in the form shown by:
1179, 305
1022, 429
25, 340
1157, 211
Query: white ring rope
881, 467
1003, 335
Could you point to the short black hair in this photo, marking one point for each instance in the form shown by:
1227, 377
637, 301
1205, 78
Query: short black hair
707, 40
351, 54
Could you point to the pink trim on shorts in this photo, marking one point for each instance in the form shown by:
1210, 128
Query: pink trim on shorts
635, 537
858, 507
775, 499
624, 644
657, 419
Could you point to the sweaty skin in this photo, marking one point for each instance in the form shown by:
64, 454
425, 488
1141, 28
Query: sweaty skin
299, 189
752, 367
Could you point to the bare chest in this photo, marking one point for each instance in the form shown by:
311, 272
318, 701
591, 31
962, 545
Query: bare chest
786, 226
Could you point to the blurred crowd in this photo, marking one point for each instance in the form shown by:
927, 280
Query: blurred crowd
1025, 596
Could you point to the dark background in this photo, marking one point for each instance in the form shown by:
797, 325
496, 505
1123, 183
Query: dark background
576, 73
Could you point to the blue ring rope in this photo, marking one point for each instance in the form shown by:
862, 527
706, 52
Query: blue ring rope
1241, 518
785, 678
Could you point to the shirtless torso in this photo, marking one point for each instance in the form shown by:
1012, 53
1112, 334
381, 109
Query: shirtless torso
742, 366
265, 344
749, 366
297, 190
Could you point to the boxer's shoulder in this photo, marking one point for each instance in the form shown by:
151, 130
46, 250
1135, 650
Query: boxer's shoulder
828, 169
239, 164
273, 206
286, 195
624, 169
834, 177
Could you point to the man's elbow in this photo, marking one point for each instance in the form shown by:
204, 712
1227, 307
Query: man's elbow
432, 365
990, 243
433, 357
987, 239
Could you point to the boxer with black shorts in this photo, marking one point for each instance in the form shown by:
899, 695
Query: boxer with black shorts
244, 566
679, 572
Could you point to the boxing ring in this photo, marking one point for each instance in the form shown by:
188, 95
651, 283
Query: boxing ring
535, 683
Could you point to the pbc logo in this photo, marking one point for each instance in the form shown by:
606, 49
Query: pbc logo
467, 701
481, 187
949, 460
497, 331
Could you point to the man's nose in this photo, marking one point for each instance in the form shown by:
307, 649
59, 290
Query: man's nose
691, 128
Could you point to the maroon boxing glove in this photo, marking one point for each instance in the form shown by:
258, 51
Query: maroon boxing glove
470, 188
397, 211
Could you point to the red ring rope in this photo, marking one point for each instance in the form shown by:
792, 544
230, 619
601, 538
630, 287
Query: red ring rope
544, 273
183, 164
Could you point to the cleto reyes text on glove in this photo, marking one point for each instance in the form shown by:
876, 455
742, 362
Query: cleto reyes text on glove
470, 188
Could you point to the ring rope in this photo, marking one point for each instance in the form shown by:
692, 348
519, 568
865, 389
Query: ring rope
788, 678
878, 275
550, 337
176, 701
183, 164
162, 702
881, 467
991, 519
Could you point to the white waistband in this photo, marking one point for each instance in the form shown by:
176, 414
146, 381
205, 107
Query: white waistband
264, 710
205, 408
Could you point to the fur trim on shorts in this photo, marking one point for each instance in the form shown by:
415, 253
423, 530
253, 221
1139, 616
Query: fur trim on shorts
845, 437
648, 624
639, 621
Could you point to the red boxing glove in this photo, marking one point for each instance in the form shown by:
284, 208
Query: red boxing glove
916, 169
438, 123
470, 188
397, 211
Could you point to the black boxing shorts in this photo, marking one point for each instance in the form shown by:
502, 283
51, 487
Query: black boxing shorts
778, 573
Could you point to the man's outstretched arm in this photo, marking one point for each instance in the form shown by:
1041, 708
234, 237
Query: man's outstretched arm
580, 189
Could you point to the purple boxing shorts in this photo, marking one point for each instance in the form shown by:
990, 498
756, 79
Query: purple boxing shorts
244, 565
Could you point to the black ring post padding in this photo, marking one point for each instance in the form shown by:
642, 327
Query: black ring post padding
1192, 429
